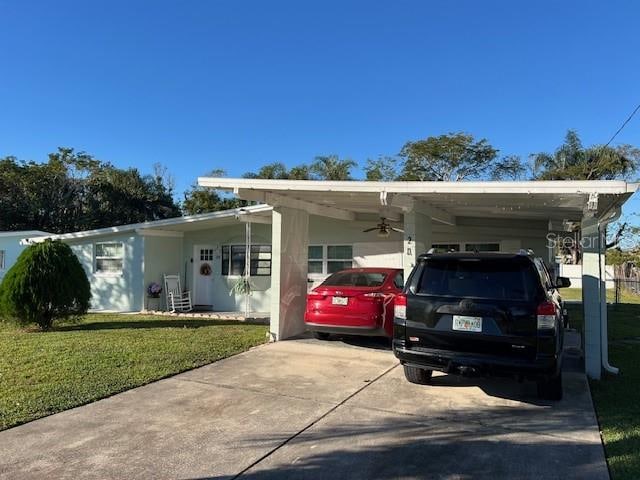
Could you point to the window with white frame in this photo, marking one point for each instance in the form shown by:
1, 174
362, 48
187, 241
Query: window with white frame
2, 256
466, 247
109, 257
328, 259
234, 257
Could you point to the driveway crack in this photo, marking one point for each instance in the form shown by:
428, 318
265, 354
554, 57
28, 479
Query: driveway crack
252, 390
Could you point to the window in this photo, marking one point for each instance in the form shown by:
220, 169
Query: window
446, 247
206, 254
2, 255
339, 257
234, 258
503, 279
315, 259
327, 259
109, 257
482, 247
399, 280
466, 247
356, 279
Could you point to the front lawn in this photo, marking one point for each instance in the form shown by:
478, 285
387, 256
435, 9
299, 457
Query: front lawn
575, 294
45, 373
617, 397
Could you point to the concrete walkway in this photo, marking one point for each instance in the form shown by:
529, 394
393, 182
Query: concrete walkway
309, 409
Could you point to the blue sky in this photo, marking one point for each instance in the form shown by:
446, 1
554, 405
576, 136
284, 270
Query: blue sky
198, 85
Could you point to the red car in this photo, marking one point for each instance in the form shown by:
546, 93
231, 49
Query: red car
357, 301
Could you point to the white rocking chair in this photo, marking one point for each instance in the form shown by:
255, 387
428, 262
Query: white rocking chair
177, 299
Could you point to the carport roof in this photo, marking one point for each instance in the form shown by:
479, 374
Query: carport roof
551, 200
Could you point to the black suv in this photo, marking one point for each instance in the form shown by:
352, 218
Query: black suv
481, 314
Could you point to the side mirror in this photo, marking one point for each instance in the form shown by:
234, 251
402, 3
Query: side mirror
563, 282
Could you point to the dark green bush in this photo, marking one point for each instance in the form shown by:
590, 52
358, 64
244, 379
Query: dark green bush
46, 283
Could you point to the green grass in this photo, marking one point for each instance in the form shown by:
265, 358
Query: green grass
44, 373
576, 294
617, 397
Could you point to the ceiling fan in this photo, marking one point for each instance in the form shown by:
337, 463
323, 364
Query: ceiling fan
384, 229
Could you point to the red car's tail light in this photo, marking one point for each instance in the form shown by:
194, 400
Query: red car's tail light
400, 306
315, 296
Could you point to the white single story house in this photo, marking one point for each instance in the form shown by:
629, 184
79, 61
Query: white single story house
301, 231
10, 247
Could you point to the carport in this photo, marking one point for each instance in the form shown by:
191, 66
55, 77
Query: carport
465, 208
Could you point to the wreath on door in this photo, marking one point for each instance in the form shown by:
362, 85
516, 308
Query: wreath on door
205, 269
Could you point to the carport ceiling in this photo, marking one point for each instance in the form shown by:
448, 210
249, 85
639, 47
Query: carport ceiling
550, 200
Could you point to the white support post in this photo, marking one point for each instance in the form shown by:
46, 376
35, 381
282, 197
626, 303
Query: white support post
417, 239
592, 297
289, 252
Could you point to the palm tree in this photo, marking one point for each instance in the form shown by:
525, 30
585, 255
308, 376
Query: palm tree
571, 161
330, 167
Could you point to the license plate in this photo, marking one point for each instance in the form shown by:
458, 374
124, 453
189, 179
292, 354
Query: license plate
339, 300
467, 324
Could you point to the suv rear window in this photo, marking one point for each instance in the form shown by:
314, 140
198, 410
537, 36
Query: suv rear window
496, 278
355, 279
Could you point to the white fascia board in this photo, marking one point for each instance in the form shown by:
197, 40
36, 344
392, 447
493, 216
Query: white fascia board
24, 233
277, 200
496, 187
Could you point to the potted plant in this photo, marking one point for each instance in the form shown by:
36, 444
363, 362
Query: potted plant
243, 287
154, 290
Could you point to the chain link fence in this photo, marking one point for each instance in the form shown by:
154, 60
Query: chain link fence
625, 287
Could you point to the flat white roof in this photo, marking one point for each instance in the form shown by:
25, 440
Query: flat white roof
549, 200
532, 187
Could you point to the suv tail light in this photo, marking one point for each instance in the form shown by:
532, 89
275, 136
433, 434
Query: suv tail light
546, 316
400, 306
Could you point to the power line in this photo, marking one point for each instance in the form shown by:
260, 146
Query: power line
623, 125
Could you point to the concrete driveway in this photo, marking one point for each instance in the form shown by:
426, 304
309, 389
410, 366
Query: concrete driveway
310, 409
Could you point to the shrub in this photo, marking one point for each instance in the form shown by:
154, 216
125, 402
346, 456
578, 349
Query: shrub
46, 283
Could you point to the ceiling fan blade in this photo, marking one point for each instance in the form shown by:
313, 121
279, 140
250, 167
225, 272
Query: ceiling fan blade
371, 229
399, 230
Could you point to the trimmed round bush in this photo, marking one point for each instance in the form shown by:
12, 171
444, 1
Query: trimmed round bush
47, 283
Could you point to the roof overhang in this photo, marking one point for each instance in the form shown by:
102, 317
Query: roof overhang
171, 227
443, 201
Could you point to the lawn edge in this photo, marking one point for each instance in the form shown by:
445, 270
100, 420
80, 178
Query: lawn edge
265, 343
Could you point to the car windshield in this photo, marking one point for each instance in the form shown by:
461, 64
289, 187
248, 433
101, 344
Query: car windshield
355, 279
504, 279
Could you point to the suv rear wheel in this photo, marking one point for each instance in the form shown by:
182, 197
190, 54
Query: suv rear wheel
417, 375
551, 388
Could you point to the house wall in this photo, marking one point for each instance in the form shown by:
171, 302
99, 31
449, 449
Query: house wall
511, 234
13, 249
148, 258
222, 285
119, 292
162, 256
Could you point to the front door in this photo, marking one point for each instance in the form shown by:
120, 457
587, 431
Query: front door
203, 270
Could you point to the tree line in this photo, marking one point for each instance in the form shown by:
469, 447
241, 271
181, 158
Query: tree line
75, 191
